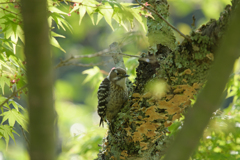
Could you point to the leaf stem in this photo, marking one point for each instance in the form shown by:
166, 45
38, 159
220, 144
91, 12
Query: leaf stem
12, 95
25, 136
8, 11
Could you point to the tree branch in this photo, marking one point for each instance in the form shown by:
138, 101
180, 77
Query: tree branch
210, 97
130, 55
87, 65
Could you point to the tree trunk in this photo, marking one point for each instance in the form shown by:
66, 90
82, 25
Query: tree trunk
139, 131
40, 79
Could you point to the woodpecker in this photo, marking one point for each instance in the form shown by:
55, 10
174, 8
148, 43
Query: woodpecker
112, 93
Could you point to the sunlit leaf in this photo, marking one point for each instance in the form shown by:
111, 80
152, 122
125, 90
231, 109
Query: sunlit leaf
2, 99
99, 17
6, 131
82, 11
174, 127
50, 19
57, 35
60, 21
135, 13
55, 43
8, 31
4, 80
14, 116
56, 10
113, 3
90, 12
6, 65
107, 13
14, 38
67, 25
90, 73
20, 33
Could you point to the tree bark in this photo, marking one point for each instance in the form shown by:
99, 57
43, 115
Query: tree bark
140, 129
40, 79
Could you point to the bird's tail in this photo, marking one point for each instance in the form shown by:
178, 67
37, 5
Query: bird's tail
101, 122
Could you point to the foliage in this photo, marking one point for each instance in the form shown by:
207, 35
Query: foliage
122, 13
12, 76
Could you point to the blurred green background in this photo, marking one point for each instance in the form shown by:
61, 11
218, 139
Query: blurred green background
76, 98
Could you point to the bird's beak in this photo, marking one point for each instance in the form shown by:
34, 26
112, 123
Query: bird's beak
125, 76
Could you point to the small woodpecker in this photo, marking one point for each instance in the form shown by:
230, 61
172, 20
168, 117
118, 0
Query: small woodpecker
112, 94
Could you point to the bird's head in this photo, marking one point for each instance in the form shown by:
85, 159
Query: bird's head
118, 76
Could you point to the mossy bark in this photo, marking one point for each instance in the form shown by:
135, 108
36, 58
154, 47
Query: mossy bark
139, 130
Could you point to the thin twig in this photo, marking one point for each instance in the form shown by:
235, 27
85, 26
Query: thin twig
64, 62
87, 65
129, 55
12, 95
193, 23
9, 11
105, 51
160, 16
101, 53
25, 136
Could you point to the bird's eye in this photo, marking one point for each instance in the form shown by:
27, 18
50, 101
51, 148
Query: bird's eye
117, 73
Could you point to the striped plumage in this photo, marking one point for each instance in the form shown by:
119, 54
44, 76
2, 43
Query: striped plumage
102, 93
112, 93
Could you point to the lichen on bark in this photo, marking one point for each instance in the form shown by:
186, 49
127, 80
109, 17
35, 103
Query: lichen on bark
158, 31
